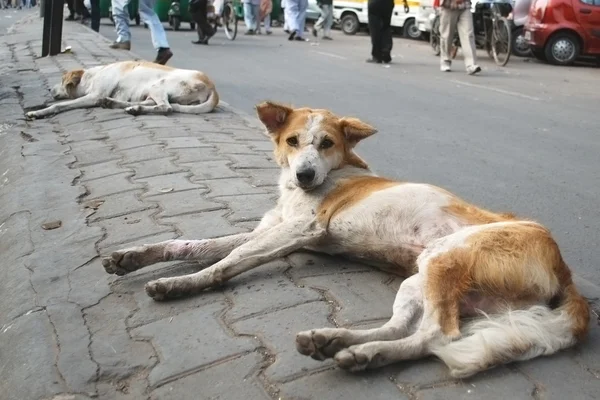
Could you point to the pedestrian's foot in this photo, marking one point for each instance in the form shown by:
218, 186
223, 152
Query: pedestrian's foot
373, 61
445, 67
269, 32
300, 39
70, 18
121, 45
327, 38
314, 32
473, 69
287, 31
200, 41
292, 35
163, 55
249, 32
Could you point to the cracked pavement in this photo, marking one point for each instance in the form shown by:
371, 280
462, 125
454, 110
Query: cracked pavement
68, 330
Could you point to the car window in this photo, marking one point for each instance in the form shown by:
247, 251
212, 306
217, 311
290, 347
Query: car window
591, 2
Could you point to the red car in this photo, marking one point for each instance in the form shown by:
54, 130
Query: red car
559, 31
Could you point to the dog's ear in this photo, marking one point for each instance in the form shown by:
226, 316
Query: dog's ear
355, 130
72, 78
273, 116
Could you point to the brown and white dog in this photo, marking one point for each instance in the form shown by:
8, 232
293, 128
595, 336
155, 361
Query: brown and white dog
482, 289
139, 87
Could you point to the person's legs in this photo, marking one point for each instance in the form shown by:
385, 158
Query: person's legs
467, 40
248, 18
121, 18
291, 17
328, 8
386, 33
95, 15
267, 22
301, 19
205, 31
157, 31
375, 28
448, 20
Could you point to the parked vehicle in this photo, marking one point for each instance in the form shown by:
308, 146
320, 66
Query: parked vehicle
560, 31
425, 16
352, 15
518, 19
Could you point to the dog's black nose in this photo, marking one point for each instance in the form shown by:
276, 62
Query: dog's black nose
305, 176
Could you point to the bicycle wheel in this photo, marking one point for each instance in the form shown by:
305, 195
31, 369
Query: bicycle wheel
230, 21
501, 41
434, 36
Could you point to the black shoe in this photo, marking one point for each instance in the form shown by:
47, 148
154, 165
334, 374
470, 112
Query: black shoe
200, 41
292, 35
163, 56
314, 32
373, 61
249, 32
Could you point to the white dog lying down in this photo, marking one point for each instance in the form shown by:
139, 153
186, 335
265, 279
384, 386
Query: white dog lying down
461, 261
137, 86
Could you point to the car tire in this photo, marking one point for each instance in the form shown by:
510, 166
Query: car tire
411, 30
350, 24
562, 49
520, 47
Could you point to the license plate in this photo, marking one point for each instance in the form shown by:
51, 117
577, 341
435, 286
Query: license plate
527, 35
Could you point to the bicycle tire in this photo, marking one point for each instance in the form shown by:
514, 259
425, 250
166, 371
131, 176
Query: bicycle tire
229, 21
501, 34
434, 36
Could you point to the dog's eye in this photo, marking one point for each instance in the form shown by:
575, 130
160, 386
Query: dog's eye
292, 141
326, 143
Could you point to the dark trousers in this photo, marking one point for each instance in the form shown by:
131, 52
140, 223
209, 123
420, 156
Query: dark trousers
95, 15
199, 16
380, 28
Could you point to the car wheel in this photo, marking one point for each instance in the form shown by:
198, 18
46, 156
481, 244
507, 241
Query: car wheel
350, 24
562, 49
520, 47
411, 30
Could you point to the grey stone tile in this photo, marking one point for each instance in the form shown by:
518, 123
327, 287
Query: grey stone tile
265, 290
130, 227
109, 168
184, 202
231, 187
203, 225
361, 296
181, 351
248, 207
196, 154
211, 170
109, 185
234, 379
120, 204
150, 168
162, 184
143, 154
278, 329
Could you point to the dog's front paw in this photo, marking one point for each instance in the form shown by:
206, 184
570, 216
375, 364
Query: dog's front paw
123, 262
134, 110
31, 115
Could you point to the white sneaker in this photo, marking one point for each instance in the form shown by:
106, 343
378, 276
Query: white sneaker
473, 69
445, 67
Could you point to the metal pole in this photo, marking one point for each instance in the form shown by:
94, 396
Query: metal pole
53, 20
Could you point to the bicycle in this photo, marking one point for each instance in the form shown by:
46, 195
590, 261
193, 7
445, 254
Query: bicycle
230, 15
492, 31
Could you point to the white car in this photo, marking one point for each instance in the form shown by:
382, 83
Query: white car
352, 15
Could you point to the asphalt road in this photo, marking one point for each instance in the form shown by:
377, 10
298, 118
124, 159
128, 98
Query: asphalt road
10, 16
524, 138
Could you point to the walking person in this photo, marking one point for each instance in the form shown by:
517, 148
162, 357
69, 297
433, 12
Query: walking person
251, 16
198, 11
456, 15
380, 29
266, 7
325, 19
157, 31
297, 15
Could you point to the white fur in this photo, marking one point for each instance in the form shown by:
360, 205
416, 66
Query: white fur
141, 88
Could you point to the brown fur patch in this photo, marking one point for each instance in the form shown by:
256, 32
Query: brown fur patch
349, 192
71, 79
517, 263
473, 215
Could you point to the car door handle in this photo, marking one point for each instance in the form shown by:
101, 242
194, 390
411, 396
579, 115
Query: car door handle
585, 11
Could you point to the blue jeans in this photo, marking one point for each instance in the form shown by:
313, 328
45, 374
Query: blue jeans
251, 16
147, 14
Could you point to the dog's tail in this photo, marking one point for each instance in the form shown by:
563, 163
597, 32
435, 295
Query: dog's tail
208, 106
517, 335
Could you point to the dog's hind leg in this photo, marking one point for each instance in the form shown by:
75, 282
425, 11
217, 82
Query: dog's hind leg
206, 252
325, 343
162, 106
276, 242
87, 101
109, 102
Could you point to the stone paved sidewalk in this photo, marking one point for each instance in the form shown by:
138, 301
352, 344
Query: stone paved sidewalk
70, 331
